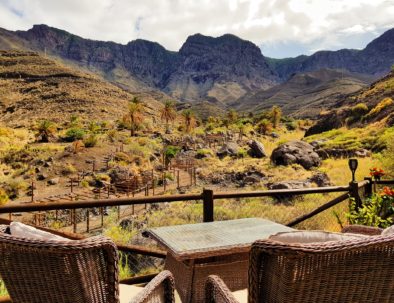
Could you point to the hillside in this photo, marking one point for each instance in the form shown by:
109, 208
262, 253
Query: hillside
217, 69
372, 104
305, 95
375, 59
33, 87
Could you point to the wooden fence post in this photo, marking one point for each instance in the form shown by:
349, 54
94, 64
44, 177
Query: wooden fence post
368, 187
87, 221
207, 197
353, 191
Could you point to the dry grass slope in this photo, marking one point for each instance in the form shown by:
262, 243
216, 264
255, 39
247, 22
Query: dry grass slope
33, 87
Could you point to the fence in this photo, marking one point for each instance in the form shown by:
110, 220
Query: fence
357, 190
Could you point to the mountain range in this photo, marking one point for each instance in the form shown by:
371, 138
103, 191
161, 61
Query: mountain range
225, 71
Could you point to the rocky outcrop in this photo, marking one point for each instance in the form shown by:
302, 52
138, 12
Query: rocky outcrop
220, 69
337, 153
320, 179
256, 149
228, 149
296, 152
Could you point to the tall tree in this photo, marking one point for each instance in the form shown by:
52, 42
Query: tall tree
168, 113
276, 115
189, 119
135, 116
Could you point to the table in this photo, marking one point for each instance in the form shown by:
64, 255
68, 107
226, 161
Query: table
196, 251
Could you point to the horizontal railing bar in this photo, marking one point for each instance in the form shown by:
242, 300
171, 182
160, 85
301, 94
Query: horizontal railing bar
383, 182
41, 206
278, 192
318, 210
138, 280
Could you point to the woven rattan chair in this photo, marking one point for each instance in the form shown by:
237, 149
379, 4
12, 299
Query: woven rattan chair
83, 271
359, 270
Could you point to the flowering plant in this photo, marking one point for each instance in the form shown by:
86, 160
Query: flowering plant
388, 192
377, 173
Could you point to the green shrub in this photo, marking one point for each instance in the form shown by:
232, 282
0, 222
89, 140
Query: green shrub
14, 188
74, 134
359, 110
204, 152
3, 197
373, 212
122, 157
90, 141
291, 125
68, 169
386, 102
169, 153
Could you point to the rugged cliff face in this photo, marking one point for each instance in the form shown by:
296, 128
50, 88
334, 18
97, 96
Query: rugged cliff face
375, 59
225, 71
218, 69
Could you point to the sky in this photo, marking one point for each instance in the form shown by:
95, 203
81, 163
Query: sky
280, 28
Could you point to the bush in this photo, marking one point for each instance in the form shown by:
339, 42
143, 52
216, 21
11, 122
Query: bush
169, 153
373, 212
291, 125
386, 102
68, 169
14, 188
3, 197
122, 157
359, 110
90, 141
74, 134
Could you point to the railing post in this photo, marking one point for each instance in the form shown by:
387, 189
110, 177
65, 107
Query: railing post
368, 187
207, 197
353, 191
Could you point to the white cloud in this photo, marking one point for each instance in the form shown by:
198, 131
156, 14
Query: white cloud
322, 23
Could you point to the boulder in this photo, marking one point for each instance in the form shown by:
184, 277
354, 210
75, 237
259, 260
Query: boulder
362, 153
228, 149
296, 152
320, 179
119, 173
274, 135
42, 176
291, 184
256, 149
53, 181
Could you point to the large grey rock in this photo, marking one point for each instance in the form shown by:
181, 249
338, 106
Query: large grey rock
320, 179
256, 149
228, 149
291, 184
296, 152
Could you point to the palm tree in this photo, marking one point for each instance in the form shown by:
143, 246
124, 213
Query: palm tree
135, 116
190, 120
168, 113
264, 127
276, 115
45, 130
232, 116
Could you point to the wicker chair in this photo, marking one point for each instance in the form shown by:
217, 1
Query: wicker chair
359, 270
84, 271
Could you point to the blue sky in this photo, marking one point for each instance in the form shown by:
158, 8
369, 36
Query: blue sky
282, 28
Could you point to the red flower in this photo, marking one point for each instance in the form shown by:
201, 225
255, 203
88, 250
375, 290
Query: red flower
376, 172
388, 192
